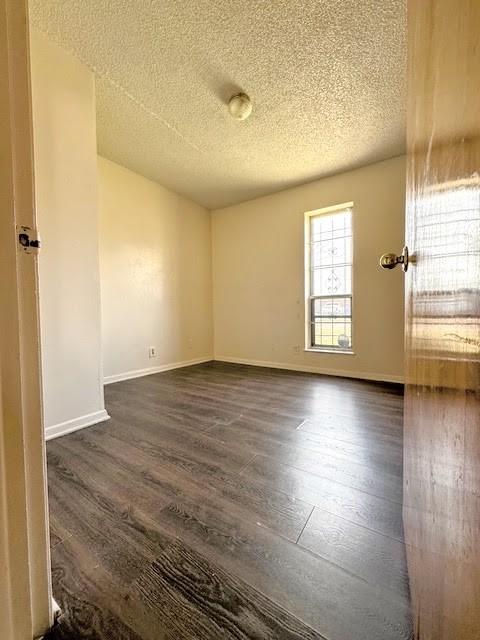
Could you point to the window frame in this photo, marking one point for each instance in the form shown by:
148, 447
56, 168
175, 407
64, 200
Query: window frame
309, 298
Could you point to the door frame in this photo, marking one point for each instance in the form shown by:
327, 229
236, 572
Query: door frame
25, 592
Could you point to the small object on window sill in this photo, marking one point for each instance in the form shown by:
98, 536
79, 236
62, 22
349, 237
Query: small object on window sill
343, 341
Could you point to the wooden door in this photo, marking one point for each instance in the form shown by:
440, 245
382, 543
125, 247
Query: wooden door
442, 404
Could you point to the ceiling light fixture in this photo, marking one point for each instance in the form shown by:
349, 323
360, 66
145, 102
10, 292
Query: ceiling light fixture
240, 106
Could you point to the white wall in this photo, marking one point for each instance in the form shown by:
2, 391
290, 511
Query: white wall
66, 184
156, 278
258, 275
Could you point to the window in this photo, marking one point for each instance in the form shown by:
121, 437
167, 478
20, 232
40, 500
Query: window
328, 259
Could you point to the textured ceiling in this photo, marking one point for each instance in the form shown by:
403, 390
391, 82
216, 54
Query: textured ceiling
327, 80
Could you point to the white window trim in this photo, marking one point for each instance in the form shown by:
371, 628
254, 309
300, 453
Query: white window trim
307, 279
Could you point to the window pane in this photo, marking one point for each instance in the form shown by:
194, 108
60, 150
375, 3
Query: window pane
335, 333
333, 251
331, 282
332, 307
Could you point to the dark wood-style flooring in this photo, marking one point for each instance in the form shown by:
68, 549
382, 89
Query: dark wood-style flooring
231, 502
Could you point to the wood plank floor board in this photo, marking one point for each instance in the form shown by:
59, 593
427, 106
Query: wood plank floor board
114, 533
389, 452
184, 595
179, 435
268, 419
376, 459
118, 409
122, 482
91, 601
227, 395
357, 476
179, 595
379, 560
227, 501
307, 454
106, 451
296, 388
352, 428
377, 481
351, 472
176, 476
360, 433
302, 443
305, 385
370, 412
334, 602
365, 449
385, 418
191, 406
378, 514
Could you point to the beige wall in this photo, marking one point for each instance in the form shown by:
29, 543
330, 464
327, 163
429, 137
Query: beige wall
258, 275
156, 279
66, 186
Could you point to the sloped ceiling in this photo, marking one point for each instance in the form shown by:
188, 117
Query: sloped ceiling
327, 80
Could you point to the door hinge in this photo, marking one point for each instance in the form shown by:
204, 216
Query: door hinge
28, 239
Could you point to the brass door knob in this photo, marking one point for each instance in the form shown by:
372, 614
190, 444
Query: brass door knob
390, 260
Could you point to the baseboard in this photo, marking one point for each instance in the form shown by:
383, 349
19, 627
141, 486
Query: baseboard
57, 430
139, 373
378, 377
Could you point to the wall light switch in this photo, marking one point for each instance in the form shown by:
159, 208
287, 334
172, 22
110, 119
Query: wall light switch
152, 352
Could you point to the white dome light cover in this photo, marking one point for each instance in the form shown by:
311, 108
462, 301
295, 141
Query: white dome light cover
240, 106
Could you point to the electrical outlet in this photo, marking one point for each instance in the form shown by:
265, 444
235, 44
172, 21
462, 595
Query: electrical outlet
152, 352
296, 349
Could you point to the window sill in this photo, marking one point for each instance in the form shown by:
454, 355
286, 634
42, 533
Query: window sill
347, 352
